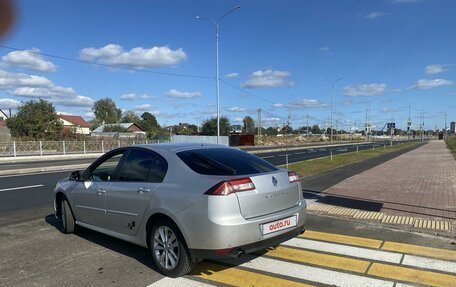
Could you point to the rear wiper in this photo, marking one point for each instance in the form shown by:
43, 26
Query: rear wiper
214, 163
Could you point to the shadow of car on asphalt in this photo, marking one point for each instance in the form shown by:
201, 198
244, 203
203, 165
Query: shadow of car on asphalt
142, 255
136, 252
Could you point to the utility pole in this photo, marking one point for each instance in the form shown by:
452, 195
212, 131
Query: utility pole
366, 129
445, 125
409, 124
217, 77
259, 124
422, 125
307, 135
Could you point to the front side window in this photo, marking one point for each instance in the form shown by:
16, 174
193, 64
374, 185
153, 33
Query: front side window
105, 171
143, 166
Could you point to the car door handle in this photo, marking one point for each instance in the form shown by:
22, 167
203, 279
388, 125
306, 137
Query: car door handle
143, 190
101, 191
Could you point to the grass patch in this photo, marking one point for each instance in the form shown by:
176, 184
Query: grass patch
312, 166
451, 144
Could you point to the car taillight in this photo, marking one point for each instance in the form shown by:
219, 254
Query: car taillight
231, 186
293, 176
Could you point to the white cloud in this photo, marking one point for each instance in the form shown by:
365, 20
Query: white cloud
9, 103
365, 90
142, 108
89, 115
179, 94
137, 57
133, 96
232, 75
268, 79
389, 110
436, 69
302, 104
31, 86
238, 110
8, 79
269, 120
424, 84
30, 60
325, 50
374, 15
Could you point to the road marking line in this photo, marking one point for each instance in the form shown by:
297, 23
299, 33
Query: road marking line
412, 275
358, 252
270, 156
338, 238
178, 282
420, 250
428, 263
319, 259
238, 277
313, 274
21, 187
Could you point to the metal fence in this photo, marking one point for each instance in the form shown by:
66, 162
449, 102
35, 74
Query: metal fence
41, 148
223, 140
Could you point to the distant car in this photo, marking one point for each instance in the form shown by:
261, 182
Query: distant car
185, 202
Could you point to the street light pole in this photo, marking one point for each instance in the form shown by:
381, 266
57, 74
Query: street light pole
332, 100
217, 77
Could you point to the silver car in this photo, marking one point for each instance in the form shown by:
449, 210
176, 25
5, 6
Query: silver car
185, 202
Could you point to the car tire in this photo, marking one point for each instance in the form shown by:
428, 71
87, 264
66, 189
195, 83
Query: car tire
68, 224
169, 250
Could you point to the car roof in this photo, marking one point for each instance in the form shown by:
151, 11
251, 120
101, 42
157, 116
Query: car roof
177, 147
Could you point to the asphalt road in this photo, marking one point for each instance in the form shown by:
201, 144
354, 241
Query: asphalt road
29, 196
36, 253
275, 157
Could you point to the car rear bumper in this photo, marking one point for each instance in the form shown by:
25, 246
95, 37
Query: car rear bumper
235, 252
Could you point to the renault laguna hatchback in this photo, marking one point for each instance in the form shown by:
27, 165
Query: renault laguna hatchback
184, 202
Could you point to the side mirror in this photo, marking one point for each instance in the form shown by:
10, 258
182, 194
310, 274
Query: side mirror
75, 175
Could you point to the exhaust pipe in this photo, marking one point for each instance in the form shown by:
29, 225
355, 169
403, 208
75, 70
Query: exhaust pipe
236, 253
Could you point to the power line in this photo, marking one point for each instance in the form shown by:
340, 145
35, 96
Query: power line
107, 65
245, 92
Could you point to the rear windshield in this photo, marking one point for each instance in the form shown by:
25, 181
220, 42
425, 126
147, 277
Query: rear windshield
224, 161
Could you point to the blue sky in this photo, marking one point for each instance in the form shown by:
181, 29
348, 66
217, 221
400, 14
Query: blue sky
273, 56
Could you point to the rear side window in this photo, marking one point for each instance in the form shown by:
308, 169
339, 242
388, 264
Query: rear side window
224, 161
145, 166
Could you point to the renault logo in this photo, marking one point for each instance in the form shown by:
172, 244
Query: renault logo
274, 181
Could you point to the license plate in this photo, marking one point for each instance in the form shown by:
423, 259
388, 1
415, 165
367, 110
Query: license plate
278, 225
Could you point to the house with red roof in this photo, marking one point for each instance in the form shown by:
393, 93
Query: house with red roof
75, 124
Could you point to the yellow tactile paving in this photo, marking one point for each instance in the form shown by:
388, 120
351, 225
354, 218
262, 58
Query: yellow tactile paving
238, 277
445, 254
389, 219
337, 238
432, 224
320, 259
412, 275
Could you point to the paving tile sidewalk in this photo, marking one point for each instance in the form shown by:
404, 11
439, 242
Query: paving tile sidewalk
420, 183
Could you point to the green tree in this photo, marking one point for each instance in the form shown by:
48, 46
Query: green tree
249, 125
210, 127
35, 119
130, 117
106, 112
184, 129
316, 129
272, 131
149, 124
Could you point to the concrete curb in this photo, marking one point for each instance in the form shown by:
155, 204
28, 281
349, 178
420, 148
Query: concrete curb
306, 147
409, 222
43, 169
38, 158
